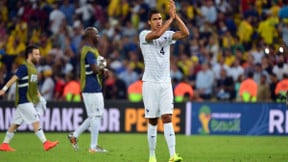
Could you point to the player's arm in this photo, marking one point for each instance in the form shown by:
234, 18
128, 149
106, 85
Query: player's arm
157, 33
8, 84
97, 65
100, 70
183, 33
96, 69
39, 94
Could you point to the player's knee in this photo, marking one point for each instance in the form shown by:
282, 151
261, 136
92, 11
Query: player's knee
13, 128
153, 121
91, 118
166, 118
95, 118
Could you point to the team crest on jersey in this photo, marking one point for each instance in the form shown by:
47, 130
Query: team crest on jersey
33, 78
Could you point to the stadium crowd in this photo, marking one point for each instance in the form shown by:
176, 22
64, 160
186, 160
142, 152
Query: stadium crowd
236, 50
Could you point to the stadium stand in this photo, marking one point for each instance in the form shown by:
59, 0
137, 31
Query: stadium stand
236, 36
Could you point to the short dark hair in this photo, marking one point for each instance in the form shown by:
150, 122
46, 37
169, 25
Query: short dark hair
87, 33
250, 74
30, 49
151, 12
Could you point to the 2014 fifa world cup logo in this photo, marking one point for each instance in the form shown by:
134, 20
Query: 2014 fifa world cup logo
204, 118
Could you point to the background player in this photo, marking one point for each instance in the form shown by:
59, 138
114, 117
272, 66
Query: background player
27, 96
92, 69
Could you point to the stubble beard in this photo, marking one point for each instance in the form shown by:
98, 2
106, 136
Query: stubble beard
34, 61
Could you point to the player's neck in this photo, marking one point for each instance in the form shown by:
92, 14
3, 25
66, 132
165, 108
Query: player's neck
30, 62
90, 44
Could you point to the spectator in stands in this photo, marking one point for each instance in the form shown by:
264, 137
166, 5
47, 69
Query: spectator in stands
129, 31
223, 6
257, 53
213, 48
56, 17
129, 75
15, 47
204, 82
11, 94
267, 64
184, 62
175, 72
86, 11
245, 32
114, 87
248, 65
76, 40
283, 30
257, 77
248, 89
68, 9
281, 89
281, 68
219, 66
229, 58
236, 70
135, 91
272, 85
208, 11
283, 13
59, 87
225, 87
100, 15
45, 43
183, 91
71, 92
116, 62
47, 88
267, 28
264, 93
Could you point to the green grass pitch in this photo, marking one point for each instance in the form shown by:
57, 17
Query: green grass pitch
133, 148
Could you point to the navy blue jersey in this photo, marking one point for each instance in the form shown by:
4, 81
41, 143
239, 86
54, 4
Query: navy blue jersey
22, 74
26, 90
93, 81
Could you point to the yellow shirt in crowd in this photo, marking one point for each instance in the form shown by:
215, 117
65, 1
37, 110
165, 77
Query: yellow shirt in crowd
267, 29
245, 31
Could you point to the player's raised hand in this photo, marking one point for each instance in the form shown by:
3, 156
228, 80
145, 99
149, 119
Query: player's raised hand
173, 5
172, 9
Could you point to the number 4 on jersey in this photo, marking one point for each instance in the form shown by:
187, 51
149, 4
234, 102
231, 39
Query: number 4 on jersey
162, 51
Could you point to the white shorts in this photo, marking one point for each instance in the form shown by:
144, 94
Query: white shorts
157, 98
25, 112
94, 104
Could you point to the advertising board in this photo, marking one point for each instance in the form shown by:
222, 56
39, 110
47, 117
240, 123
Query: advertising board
118, 117
239, 119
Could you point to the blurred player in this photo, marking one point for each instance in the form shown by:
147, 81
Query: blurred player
27, 97
157, 88
92, 69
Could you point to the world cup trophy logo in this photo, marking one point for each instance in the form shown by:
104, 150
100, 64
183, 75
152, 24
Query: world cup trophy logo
204, 118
